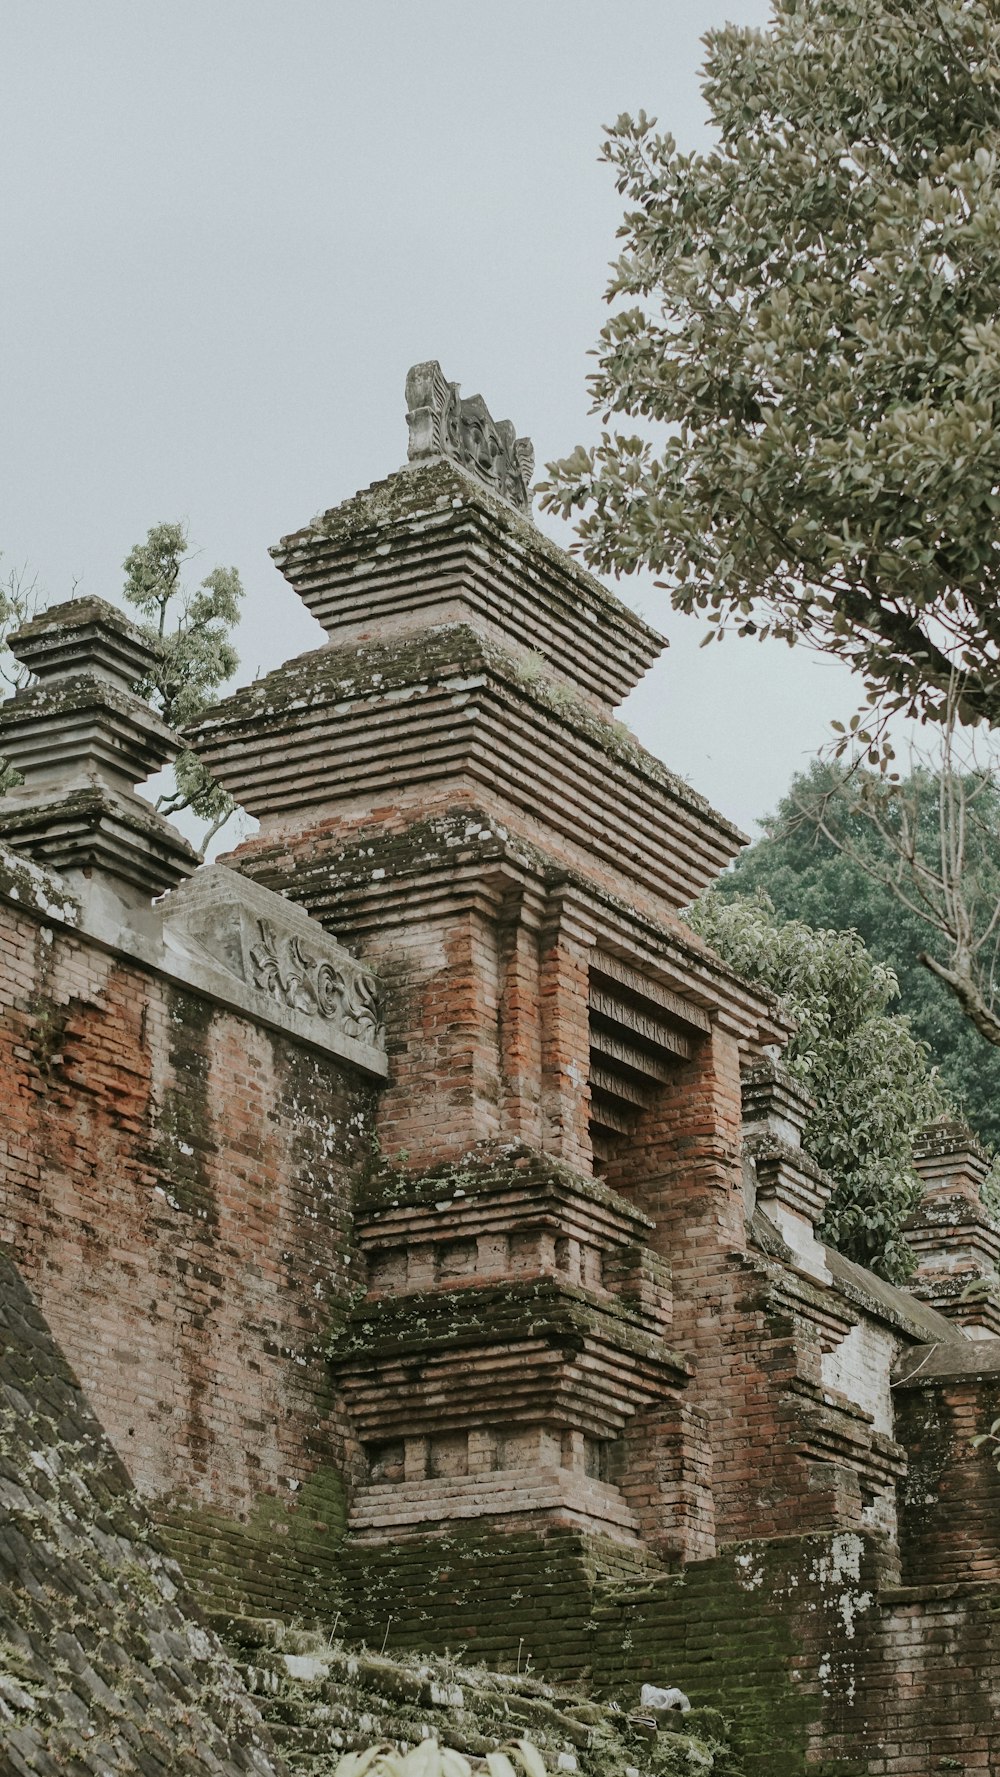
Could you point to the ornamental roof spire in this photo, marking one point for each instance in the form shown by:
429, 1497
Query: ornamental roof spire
442, 424
82, 740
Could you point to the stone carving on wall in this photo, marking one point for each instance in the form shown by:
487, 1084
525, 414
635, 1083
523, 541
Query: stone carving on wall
277, 951
441, 423
342, 993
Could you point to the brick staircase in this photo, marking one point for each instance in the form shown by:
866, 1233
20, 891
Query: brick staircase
320, 1700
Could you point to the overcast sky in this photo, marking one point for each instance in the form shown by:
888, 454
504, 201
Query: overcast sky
230, 226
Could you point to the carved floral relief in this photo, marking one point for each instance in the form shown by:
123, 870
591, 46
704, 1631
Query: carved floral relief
347, 997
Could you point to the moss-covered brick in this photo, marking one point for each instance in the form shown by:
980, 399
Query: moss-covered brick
448, 652
521, 1601
322, 1694
543, 1308
282, 1559
780, 1636
104, 1661
485, 1172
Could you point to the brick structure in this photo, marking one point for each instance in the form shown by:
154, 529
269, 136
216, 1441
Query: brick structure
186, 1100
424, 1207
956, 1243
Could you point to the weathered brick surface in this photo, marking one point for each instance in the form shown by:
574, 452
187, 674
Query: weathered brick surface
509, 1598
930, 1683
741, 1632
104, 1664
177, 1189
950, 1500
775, 1457
595, 1388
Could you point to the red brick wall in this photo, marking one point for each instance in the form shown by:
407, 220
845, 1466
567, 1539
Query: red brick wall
176, 1184
950, 1500
757, 1379
928, 1686
444, 1091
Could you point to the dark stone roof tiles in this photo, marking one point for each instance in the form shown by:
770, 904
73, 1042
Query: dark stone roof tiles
103, 1665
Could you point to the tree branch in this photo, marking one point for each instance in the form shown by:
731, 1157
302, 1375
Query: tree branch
968, 996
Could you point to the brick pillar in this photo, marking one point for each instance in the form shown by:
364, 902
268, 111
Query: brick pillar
684, 1163
566, 944
956, 1243
444, 1093
668, 1480
520, 1020
789, 1186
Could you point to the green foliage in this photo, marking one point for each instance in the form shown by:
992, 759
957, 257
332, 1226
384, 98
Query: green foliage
431, 1760
991, 1437
862, 1066
807, 876
18, 602
805, 327
194, 656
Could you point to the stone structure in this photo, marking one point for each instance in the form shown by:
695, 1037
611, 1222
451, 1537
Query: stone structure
422, 1205
442, 424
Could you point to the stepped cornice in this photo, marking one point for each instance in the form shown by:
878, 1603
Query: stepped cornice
430, 544
379, 879
358, 727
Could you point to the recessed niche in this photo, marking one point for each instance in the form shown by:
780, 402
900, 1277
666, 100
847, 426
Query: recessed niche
449, 1454
524, 1251
600, 1460
455, 1258
387, 1268
385, 1460
567, 1254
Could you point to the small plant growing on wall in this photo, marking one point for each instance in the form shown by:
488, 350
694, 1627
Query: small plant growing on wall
191, 631
990, 1437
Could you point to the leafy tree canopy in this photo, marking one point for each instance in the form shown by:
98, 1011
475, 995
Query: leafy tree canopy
861, 1064
191, 631
806, 325
807, 876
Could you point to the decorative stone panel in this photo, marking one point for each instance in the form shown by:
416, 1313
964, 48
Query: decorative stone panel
283, 957
441, 423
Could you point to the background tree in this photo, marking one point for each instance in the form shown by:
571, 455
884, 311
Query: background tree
191, 631
811, 343
18, 603
807, 875
937, 851
861, 1064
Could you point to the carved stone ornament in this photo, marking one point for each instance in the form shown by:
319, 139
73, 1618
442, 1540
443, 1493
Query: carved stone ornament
341, 992
442, 424
279, 952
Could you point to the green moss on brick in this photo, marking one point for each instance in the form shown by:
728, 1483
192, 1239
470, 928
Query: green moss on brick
756, 1637
185, 1141
773, 1634
509, 1599
283, 1560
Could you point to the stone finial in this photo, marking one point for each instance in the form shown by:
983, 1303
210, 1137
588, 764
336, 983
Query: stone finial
957, 1245
82, 739
787, 1183
441, 423
774, 1103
